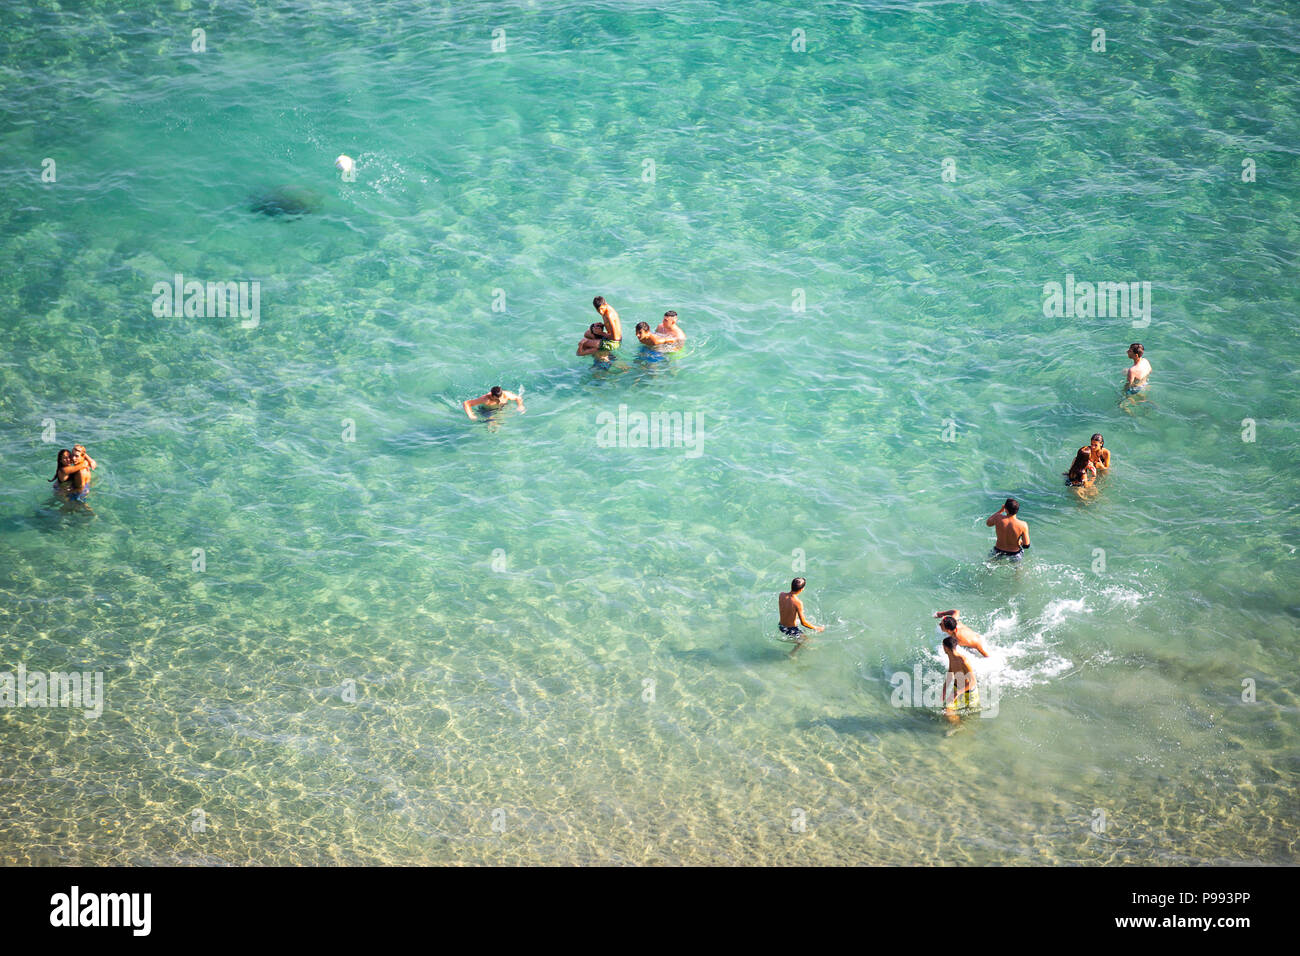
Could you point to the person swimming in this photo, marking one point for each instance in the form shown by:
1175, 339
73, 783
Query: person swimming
1099, 453
496, 398
951, 624
960, 692
1011, 534
790, 611
1135, 378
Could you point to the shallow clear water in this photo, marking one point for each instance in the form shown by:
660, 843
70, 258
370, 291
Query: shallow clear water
565, 652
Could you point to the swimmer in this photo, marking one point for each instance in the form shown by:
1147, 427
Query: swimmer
951, 624
1135, 378
790, 609
1082, 474
652, 339
959, 690
669, 327
613, 328
593, 342
1099, 453
1012, 534
496, 398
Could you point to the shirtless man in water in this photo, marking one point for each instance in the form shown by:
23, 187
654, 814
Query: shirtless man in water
498, 397
951, 624
652, 339
670, 328
613, 327
959, 690
593, 341
791, 615
1012, 533
1135, 378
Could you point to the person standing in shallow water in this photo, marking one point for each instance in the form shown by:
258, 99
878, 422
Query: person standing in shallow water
613, 327
1011, 534
790, 609
959, 691
1135, 378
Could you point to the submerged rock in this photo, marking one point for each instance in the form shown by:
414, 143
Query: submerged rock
291, 201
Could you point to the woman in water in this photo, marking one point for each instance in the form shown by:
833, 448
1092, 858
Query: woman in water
1082, 474
1099, 453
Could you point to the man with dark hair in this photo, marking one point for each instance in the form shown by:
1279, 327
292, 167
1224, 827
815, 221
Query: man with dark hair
613, 328
646, 337
593, 342
669, 327
791, 615
1012, 533
959, 690
493, 400
951, 625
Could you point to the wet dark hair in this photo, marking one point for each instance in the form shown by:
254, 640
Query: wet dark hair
496, 391
59, 461
1012, 506
949, 623
1097, 437
950, 642
643, 326
1137, 347
798, 584
598, 302
1082, 459
670, 312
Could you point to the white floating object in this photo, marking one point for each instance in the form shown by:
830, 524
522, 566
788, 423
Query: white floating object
346, 164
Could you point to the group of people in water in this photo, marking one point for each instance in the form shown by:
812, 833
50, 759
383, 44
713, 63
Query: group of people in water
1010, 541
602, 339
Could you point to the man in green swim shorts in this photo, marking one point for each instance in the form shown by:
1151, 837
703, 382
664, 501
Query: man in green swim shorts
613, 328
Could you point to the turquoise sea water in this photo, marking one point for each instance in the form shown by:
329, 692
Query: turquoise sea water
564, 652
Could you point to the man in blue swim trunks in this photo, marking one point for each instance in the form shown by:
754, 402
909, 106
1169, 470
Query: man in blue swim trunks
1012, 534
791, 615
652, 339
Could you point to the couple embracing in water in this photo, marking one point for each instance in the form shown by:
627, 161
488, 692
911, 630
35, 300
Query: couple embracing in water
72, 475
603, 338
